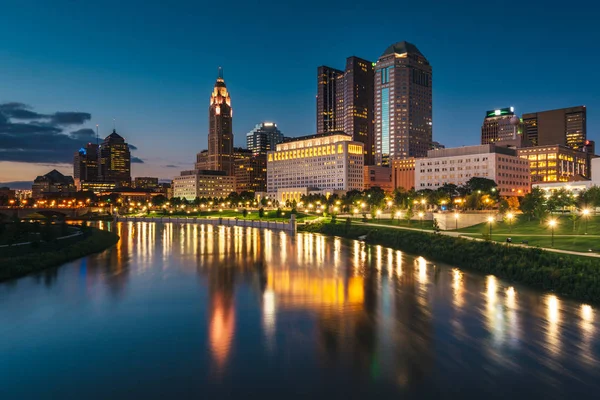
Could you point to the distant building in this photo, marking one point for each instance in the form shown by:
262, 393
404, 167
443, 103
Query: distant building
52, 184
145, 183
263, 138
220, 130
575, 186
556, 163
403, 173
85, 164
23, 194
403, 104
115, 160
458, 165
330, 162
97, 187
565, 127
250, 171
500, 124
378, 176
203, 183
436, 146
6, 195
345, 102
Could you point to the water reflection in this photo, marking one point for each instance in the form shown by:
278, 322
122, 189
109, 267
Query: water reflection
269, 305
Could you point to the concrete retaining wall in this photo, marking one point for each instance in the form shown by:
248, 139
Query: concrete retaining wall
447, 221
288, 226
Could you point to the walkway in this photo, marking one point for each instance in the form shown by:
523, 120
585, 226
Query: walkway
460, 234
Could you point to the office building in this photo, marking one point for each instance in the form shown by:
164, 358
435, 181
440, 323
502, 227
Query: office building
575, 186
53, 184
500, 124
250, 171
330, 102
85, 165
556, 163
458, 165
148, 183
403, 173
115, 160
565, 127
345, 102
403, 104
97, 186
203, 184
220, 133
378, 176
263, 138
330, 162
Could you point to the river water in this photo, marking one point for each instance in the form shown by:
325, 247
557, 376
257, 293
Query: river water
186, 311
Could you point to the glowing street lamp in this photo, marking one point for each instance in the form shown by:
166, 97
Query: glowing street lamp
510, 217
389, 203
355, 211
378, 213
586, 213
491, 221
421, 215
552, 224
456, 216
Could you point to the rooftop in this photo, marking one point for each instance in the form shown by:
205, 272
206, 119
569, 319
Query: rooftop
401, 48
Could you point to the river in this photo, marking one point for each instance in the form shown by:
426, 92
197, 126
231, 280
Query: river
187, 311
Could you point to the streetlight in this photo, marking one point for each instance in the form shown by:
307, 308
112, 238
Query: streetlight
456, 215
398, 215
552, 224
378, 213
510, 217
586, 214
490, 220
421, 215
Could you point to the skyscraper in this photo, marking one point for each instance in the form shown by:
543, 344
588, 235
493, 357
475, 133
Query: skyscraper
565, 126
359, 104
403, 100
264, 137
85, 164
220, 134
498, 125
345, 102
115, 160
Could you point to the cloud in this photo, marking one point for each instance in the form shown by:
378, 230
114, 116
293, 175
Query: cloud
70, 118
132, 147
17, 184
170, 166
137, 160
83, 134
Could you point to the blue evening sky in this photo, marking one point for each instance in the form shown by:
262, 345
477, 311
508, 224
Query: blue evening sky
152, 64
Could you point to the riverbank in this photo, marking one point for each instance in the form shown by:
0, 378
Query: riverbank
53, 254
572, 276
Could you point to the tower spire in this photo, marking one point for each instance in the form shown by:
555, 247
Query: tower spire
96, 134
220, 73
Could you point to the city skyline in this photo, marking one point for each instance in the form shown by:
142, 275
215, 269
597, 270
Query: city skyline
160, 107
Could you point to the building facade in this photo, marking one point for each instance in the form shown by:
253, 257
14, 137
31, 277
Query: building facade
499, 125
565, 127
220, 133
556, 163
403, 173
403, 104
331, 162
145, 182
330, 106
378, 176
458, 165
263, 138
115, 160
53, 184
251, 174
203, 184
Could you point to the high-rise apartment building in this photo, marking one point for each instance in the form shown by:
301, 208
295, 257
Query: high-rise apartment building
264, 137
565, 127
115, 160
500, 124
220, 133
345, 102
403, 104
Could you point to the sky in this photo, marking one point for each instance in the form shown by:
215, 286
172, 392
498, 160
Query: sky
148, 67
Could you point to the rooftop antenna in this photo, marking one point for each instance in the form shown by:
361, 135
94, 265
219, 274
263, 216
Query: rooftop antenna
114, 123
96, 134
220, 73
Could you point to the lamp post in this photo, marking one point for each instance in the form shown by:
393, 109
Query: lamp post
421, 215
552, 224
490, 220
509, 217
586, 214
378, 213
456, 220
398, 215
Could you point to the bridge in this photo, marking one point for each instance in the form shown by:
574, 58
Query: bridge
48, 212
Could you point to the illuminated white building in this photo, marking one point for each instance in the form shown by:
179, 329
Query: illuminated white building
458, 165
203, 184
326, 163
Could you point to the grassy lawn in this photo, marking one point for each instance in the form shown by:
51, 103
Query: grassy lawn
386, 221
252, 215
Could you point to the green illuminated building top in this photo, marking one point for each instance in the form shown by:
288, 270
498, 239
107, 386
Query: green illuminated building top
500, 112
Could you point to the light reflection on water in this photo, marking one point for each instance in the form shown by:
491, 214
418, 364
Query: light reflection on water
231, 312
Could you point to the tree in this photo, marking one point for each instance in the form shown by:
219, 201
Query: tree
408, 215
481, 184
261, 212
532, 204
436, 226
559, 199
375, 197
278, 212
159, 200
245, 213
